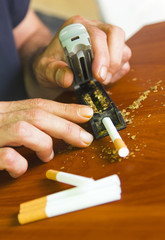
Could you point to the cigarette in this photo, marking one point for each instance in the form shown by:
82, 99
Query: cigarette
73, 203
111, 181
68, 178
116, 138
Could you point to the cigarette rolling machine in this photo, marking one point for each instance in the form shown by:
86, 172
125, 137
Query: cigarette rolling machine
77, 47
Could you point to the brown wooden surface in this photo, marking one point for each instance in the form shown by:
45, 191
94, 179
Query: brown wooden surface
140, 214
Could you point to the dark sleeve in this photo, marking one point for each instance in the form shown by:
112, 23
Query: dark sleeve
18, 10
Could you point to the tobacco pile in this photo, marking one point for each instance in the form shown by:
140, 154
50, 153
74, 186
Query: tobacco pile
128, 117
137, 103
107, 152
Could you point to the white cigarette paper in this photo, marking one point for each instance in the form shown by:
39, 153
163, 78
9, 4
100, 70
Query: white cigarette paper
116, 138
81, 201
68, 178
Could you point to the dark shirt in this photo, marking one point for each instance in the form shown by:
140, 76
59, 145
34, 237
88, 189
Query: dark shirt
12, 13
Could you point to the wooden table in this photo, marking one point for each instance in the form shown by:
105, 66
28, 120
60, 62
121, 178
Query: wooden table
140, 214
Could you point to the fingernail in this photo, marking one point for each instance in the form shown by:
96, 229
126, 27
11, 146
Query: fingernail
52, 155
86, 112
103, 73
60, 76
108, 78
50, 158
86, 137
14, 175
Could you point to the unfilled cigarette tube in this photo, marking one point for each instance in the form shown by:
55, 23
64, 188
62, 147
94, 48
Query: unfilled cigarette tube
77, 202
68, 178
116, 138
111, 181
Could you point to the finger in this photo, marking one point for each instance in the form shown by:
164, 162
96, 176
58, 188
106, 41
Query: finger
60, 128
101, 59
124, 70
13, 162
72, 112
67, 131
23, 133
52, 73
108, 45
64, 77
127, 53
52, 125
116, 43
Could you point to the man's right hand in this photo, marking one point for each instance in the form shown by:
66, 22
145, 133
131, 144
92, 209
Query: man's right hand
32, 123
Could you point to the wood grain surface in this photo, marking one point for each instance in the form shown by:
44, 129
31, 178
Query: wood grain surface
140, 214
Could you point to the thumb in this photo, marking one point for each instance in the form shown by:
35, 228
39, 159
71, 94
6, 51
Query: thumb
52, 73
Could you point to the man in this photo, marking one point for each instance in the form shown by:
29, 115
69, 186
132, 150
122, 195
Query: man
26, 43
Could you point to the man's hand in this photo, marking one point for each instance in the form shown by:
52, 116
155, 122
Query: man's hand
32, 123
111, 56
51, 72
